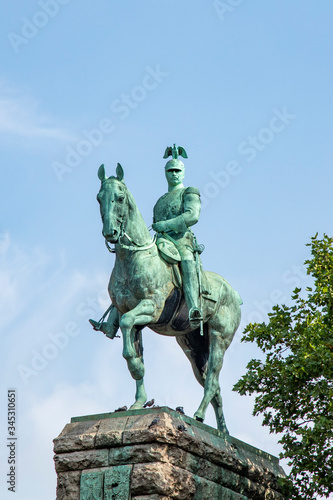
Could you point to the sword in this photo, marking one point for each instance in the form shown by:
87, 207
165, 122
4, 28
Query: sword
198, 249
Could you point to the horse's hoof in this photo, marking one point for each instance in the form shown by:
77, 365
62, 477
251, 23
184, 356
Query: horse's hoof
223, 429
199, 419
136, 406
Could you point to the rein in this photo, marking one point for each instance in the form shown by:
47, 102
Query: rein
134, 247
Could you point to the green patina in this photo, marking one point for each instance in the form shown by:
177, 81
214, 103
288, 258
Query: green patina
91, 486
117, 483
172, 296
110, 484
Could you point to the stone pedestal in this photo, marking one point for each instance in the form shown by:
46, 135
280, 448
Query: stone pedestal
155, 454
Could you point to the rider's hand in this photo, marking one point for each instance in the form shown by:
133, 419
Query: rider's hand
159, 227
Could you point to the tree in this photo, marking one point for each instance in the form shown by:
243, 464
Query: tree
293, 386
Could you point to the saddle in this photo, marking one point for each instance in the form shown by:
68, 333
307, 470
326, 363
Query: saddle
175, 306
168, 252
175, 312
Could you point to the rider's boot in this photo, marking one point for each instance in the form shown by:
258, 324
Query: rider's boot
109, 327
191, 291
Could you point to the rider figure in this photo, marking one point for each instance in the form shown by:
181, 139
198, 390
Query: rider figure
174, 213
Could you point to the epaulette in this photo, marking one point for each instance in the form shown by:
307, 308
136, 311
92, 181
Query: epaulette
192, 190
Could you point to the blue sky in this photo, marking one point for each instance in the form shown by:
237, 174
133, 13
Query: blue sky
245, 87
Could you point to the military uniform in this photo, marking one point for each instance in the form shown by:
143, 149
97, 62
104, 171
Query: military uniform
180, 209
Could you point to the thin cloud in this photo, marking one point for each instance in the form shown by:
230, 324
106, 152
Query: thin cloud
21, 272
21, 116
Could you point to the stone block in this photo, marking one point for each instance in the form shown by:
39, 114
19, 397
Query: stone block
150, 427
139, 453
79, 460
208, 490
150, 497
110, 432
68, 487
159, 454
163, 479
76, 436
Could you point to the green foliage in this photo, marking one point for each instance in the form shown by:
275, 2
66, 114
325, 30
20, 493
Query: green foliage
294, 385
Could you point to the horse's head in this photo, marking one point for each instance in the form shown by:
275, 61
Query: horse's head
112, 198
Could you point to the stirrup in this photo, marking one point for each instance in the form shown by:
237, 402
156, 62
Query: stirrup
195, 317
109, 330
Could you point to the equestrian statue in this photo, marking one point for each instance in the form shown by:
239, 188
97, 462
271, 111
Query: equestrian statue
159, 282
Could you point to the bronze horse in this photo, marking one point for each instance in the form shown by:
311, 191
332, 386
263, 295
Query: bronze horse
144, 291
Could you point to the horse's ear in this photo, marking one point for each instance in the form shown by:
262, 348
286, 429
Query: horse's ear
101, 173
119, 172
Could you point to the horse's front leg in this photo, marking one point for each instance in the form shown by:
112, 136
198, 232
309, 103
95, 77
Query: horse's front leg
142, 314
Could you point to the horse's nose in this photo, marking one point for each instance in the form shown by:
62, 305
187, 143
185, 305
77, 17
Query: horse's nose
111, 234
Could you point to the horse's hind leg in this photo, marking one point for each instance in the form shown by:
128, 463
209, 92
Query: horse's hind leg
218, 409
216, 402
200, 372
212, 392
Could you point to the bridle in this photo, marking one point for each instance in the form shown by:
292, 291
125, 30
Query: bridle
135, 247
132, 247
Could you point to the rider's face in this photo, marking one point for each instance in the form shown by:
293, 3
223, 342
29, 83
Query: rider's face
174, 176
